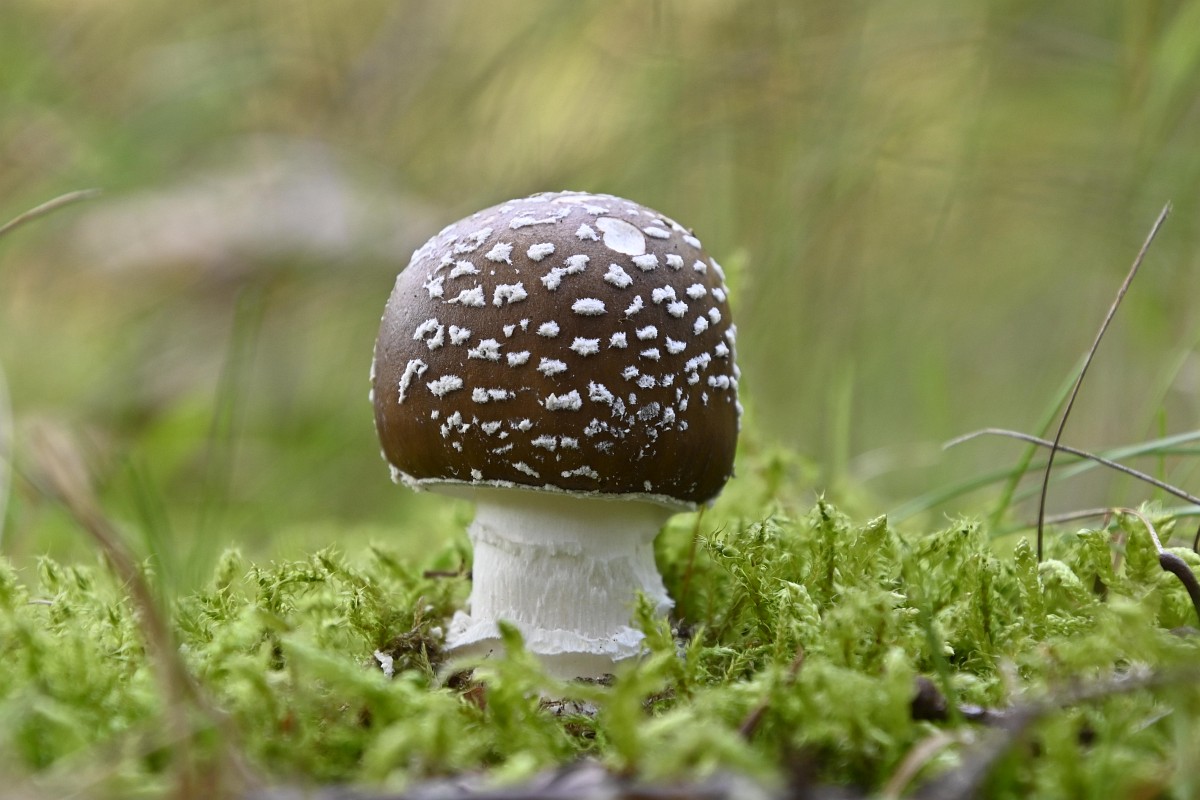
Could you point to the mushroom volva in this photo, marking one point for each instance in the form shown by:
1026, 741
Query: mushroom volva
566, 361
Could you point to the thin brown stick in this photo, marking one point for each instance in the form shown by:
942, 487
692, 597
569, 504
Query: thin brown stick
755, 717
965, 780
47, 207
1062, 424
64, 478
1025, 437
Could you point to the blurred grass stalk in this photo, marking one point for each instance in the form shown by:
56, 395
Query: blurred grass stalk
6, 446
6, 416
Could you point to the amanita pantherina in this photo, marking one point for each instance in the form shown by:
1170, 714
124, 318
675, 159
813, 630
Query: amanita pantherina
567, 362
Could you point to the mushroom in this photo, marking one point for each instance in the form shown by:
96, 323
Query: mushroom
566, 361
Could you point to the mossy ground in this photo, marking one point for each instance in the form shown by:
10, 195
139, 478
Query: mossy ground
799, 639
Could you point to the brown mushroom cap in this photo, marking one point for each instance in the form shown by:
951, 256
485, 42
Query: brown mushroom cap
566, 341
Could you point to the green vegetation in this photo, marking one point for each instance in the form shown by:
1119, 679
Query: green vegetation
804, 638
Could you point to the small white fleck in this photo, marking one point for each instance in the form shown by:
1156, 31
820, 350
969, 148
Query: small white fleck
648, 412
656, 232
677, 309
663, 293
646, 262
697, 363
434, 286
426, 327
675, 347
594, 427
585, 232
667, 379
445, 384
582, 472
509, 293
521, 466
585, 347
630, 372
599, 393
571, 401
517, 359
648, 332
604, 447
539, 251
524, 221
551, 366
714, 316
470, 297
503, 448
509, 330
634, 307
674, 261
700, 325
490, 428
618, 277
545, 442
652, 354
700, 266
719, 293
617, 340
434, 414
459, 335
548, 329
588, 307
473, 242
431, 326
693, 241
479, 394
524, 324
717, 267
647, 382
476, 475
576, 264
487, 349
553, 279
718, 381
386, 663
696, 291
464, 268
568, 443
523, 425
500, 252
722, 350
500, 394
648, 486
414, 369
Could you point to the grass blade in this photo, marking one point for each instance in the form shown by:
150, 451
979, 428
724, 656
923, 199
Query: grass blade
1062, 424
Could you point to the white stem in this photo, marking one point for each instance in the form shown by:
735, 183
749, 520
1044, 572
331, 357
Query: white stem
566, 571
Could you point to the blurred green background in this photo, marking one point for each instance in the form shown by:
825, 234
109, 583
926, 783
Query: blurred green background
926, 207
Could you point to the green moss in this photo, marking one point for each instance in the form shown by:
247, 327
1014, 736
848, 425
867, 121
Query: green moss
287, 652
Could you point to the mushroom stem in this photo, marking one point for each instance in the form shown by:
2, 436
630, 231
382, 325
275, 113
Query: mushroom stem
566, 571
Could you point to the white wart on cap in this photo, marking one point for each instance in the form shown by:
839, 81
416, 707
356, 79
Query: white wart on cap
569, 342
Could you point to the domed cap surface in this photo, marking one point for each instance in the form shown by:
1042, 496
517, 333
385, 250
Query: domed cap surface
565, 341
